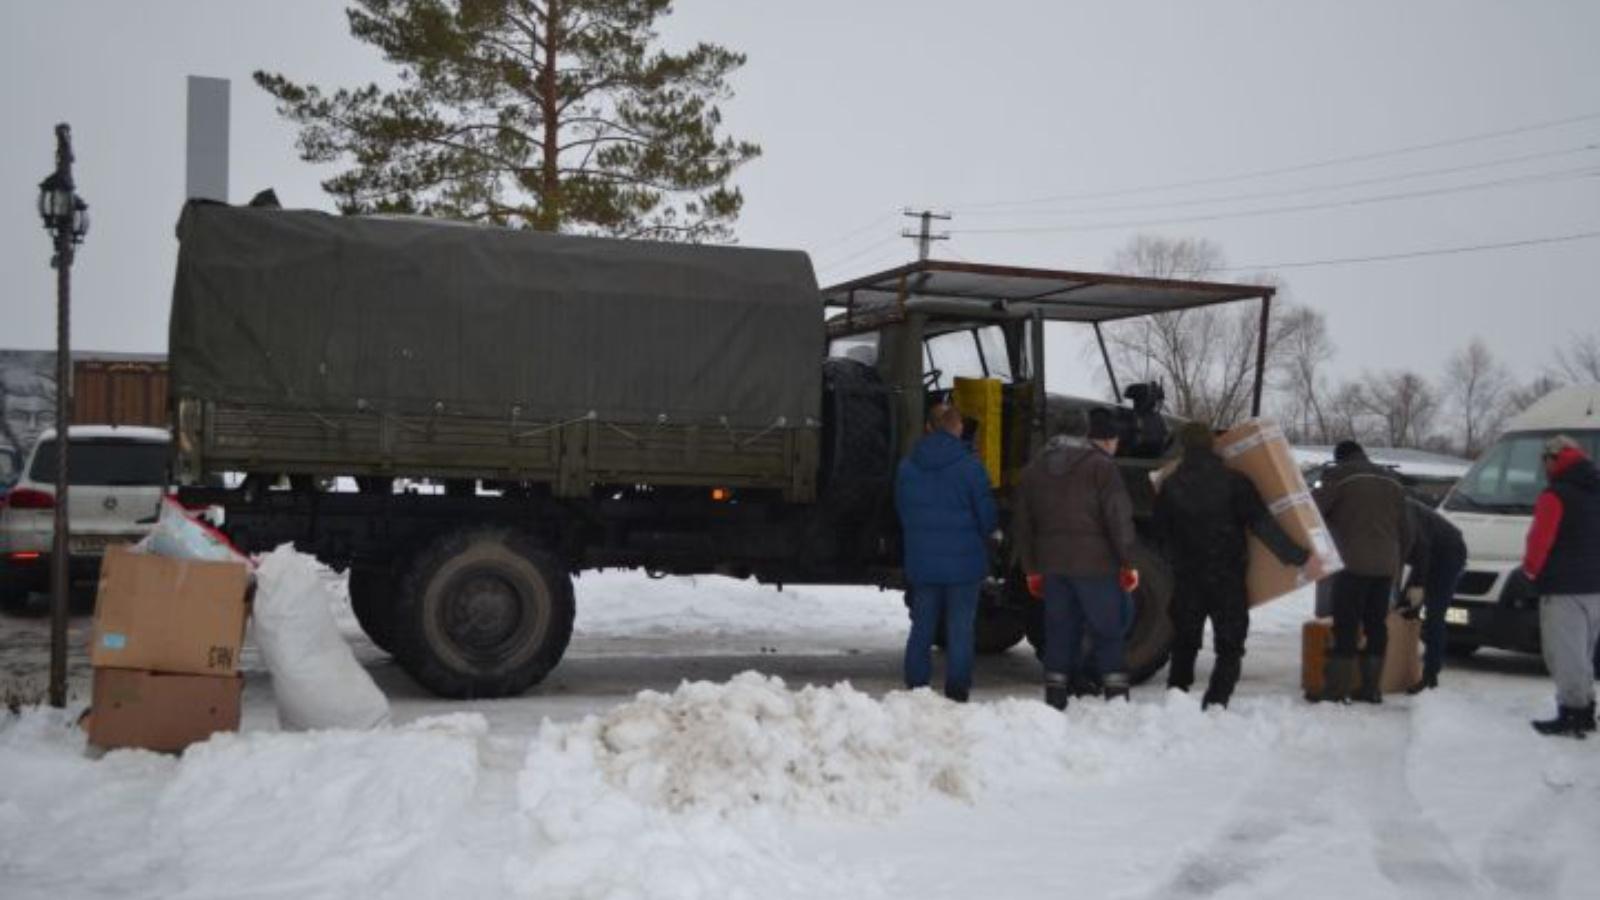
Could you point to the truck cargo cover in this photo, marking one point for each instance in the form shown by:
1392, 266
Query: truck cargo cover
308, 310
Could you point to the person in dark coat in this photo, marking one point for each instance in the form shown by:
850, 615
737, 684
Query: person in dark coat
1073, 523
947, 513
1563, 559
1201, 516
1437, 557
1365, 508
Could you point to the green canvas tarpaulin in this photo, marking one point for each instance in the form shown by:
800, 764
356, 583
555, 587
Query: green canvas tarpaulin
305, 310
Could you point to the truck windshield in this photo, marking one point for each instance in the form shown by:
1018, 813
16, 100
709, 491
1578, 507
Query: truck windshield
104, 463
974, 353
1508, 478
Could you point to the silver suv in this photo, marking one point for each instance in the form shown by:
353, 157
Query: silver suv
118, 477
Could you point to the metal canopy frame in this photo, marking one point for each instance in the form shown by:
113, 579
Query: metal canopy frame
979, 291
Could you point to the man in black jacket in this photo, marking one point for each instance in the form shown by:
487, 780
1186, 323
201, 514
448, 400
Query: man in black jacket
1438, 554
1201, 515
1365, 508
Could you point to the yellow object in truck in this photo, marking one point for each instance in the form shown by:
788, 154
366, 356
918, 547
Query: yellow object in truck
979, 400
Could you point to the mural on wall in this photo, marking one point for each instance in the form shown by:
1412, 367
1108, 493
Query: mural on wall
27, 405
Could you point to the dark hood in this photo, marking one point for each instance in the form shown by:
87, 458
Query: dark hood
938, 451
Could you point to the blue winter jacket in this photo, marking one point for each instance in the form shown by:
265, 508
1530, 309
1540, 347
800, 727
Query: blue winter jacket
946, 511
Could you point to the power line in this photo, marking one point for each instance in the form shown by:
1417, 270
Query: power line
1284, 170
1539, 178
1415, 254
1290, 192
836, 263
844, 238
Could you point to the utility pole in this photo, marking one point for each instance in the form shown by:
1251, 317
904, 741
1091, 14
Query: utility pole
924, 236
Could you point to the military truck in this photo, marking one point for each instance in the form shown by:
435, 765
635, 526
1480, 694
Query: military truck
465, 417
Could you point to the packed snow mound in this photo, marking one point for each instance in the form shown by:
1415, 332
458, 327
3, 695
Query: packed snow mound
753, 742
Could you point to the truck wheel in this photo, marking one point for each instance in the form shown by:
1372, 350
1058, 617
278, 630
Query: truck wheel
858, 459
999, 628
1461, 649
371, 599
1148, 641
482, 613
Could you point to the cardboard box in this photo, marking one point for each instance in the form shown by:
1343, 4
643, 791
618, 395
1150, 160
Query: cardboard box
169, 615
1259, 450
1402, 658
159, 711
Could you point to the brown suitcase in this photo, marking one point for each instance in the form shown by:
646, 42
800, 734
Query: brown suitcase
1402, 659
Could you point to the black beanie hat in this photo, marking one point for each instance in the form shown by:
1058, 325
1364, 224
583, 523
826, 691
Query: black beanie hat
1348, 450
1101, 428
1196, 436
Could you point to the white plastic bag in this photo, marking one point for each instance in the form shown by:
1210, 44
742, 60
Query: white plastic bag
315, 677
180, 535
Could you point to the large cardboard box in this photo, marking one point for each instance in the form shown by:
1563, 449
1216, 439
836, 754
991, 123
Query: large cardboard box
169, 615
1259, 450
160, 711
1402, 658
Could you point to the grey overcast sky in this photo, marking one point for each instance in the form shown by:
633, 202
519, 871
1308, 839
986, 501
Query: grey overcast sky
1010, 114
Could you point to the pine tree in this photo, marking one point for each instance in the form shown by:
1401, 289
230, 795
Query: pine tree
559, 115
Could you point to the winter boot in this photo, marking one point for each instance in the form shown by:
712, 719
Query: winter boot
1586, 717
1116, 686
1180, 674
956, 694
1223, 677
1338, 676
1371, 671
1570, 721
1057, 689
1428, 682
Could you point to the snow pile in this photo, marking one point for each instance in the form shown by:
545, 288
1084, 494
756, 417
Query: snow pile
753, 742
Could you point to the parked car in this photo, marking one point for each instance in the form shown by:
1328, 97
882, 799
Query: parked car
1493, 507
118, 477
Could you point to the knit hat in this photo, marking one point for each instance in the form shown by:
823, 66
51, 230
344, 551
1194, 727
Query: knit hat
1101, 427
1556, 445
1195, 436
1348, 450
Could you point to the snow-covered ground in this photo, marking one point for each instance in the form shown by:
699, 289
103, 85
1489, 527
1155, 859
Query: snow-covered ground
716, 739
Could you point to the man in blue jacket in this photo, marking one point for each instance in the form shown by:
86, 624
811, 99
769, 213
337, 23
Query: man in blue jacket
947, 513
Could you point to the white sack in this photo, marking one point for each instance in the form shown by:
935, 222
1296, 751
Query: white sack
315, 677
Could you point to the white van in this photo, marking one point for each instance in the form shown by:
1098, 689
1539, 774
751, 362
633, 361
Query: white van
1493, 507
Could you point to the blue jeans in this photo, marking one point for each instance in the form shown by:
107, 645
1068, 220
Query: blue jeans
1073, 606
1436, 597
957, 606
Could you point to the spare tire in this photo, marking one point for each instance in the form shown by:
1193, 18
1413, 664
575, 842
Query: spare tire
858, 454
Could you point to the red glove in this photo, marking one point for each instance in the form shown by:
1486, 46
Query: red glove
1036, 586
1128, 579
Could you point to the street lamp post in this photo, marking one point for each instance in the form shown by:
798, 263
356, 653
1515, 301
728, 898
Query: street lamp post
66, 218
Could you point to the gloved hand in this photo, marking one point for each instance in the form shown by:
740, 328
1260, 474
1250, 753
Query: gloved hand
1128, 579
1036, 586
1411, 612
1414, 596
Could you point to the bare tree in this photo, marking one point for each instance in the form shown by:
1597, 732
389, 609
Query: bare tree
1348, 411
1301, 402
1204, 357
1404, 405
1579, 361
1475, 389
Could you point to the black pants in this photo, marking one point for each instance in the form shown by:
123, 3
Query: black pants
1223, 601
1360, 605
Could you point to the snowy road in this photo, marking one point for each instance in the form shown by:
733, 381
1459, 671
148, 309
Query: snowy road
744, 787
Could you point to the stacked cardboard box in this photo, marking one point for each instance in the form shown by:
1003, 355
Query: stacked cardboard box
165, 650
1402, 660
1259, 450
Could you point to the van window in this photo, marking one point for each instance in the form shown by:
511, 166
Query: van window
104, 463
1508, 478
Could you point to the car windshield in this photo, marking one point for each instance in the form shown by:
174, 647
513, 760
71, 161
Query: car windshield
104, 463
972, 353
1508, 478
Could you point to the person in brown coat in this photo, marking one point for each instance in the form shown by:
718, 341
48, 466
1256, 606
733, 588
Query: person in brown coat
1365, 508
1073, 524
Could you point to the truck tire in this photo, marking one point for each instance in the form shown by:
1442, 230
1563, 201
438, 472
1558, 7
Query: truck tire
998, 626
482, 612
858, 456
372, 601
1148, 642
